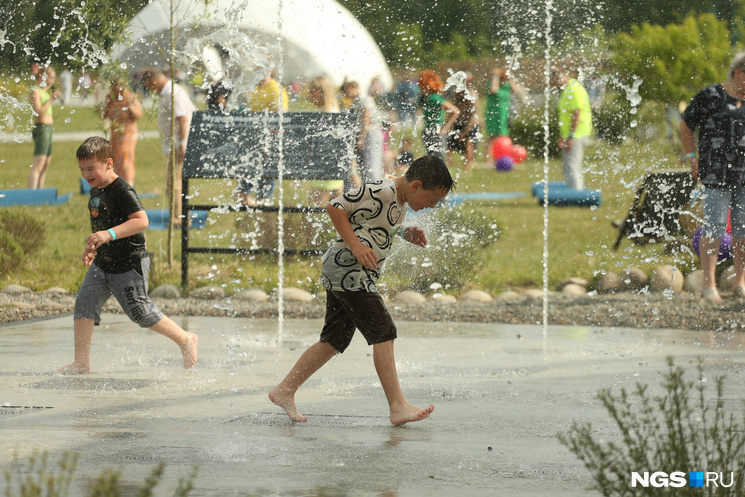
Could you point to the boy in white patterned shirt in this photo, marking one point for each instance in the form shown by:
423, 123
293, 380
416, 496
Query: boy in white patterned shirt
366, 219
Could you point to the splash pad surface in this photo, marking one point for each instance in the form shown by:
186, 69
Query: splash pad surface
501, 394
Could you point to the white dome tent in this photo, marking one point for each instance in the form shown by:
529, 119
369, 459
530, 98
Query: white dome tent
319, 38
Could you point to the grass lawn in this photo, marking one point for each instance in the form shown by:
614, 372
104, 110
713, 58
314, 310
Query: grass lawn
579, 242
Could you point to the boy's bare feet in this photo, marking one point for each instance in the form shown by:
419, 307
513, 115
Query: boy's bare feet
73, 368
408, 413
189, 350
286, 401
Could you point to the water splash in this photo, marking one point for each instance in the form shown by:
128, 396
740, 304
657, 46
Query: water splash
229, 55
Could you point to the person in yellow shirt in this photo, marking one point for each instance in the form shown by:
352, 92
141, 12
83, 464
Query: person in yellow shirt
267, 96
575, 126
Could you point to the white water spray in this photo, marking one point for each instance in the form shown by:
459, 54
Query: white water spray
546, 107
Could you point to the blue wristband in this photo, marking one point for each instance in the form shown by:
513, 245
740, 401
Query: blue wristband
112, 233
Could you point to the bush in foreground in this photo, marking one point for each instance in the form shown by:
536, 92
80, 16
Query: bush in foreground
682, 429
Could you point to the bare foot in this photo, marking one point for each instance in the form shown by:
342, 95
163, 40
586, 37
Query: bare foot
286, 401
189, 350
712, 295
408, 413
73, 368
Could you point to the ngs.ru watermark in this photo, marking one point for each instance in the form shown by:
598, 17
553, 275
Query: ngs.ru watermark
677, 479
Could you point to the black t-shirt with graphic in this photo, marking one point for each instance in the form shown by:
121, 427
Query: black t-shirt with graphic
110, 207
720, 119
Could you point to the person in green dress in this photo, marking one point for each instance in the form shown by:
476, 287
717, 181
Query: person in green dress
498, 102
439, 114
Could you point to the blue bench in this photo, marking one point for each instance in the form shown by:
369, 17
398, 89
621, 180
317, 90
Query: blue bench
26, 196
562, 196
159, 219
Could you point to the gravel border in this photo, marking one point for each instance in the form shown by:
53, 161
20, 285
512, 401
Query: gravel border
683, 311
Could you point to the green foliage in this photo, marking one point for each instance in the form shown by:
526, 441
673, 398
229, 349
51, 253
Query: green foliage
20, 235
529, 130
27, 230
683, 429
76, 34
612, 119
11, 253
675, 61
458, 240
36, 477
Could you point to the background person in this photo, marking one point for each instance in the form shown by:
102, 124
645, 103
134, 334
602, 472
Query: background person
43, 94
217, 97
369, 144
156, 81
321, 93
268, 96
122, 110
66, 80
575, 126
499, 104
464, 135
718, 113
439, 114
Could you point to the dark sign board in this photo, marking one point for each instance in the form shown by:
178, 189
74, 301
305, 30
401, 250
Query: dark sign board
246, 144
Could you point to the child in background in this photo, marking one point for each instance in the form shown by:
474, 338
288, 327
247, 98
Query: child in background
367, 219
439, 114
117, 257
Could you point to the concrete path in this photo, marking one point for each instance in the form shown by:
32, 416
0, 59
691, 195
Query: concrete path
502, 393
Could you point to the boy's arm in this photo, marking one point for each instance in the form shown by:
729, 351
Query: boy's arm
362, 252
136, 222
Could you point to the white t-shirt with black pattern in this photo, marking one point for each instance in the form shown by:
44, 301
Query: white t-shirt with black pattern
375, 215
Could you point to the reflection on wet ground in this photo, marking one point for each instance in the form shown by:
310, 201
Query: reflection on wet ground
502, 393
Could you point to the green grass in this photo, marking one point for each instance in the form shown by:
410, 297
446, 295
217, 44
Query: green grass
580, 240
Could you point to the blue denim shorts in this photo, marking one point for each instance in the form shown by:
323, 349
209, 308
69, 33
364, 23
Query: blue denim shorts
130, 290
717, 204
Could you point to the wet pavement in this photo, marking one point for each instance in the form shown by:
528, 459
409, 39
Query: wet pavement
501, 393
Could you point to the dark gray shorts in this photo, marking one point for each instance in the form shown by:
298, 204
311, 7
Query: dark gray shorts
130, 290
42, 135
347, 311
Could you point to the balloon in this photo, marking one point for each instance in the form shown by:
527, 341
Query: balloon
725, 247
501, 146
519, 153
504, 163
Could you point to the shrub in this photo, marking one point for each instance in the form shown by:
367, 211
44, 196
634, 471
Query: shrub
612, 119
680, 430
457, 240
529, 130
11, 253
27, 231
36, 477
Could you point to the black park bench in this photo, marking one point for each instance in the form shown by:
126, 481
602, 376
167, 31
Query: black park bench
292, 146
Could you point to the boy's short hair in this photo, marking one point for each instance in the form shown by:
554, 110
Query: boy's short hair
432, 172
95, 147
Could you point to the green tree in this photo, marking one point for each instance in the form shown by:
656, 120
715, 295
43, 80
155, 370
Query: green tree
62, 32
675, 61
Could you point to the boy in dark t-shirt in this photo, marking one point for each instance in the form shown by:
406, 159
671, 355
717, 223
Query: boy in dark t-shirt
118, 260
